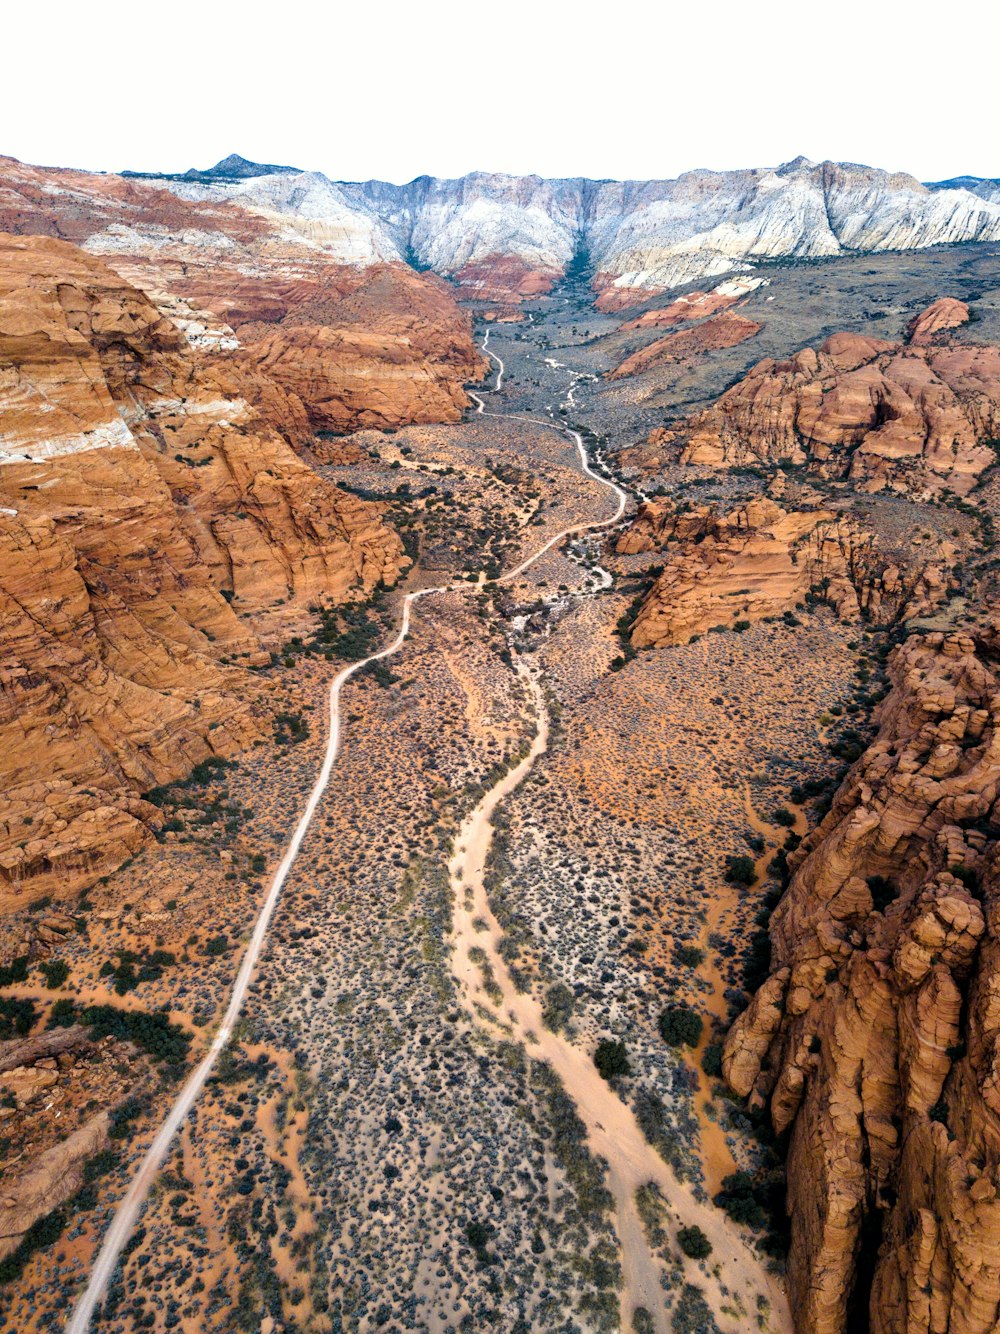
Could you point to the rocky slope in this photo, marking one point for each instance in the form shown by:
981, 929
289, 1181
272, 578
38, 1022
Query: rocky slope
692, 306
912, 416
760, 560
640, 237
727, 329
874, 1043
281, 265
147, 513
502, 237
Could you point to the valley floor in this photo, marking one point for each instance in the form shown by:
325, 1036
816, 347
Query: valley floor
521, 853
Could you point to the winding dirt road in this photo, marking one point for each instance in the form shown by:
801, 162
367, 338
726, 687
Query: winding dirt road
613, 1130
129, 1209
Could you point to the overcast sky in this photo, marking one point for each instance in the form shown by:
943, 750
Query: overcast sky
611, 89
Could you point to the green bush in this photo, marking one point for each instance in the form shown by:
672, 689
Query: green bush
740, 870
681, 1025
16, 1017
694, 1243
55, 973
15, 971
611, 1059
711, 1060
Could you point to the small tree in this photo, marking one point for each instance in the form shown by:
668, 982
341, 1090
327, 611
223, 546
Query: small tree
740, 870
611, 1059
55, 973
694, 1243
680, 1025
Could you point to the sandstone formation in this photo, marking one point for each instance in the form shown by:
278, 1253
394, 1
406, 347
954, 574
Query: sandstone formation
50, 1180
51, 1043
875, 1040
147, 512
279, 267
695, 305
907, 417
723, 330
381, 348
937, 318
760, 560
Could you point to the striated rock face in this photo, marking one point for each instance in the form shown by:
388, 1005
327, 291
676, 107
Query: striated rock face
386, 348
875, 1040
147, 511
641, 237
724, 330
281, 261
696, 305
760, 560
505, 236
707, 223
909, 418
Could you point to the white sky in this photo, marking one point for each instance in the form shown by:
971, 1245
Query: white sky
393, 90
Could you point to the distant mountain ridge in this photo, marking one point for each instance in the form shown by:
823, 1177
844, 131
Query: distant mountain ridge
986, 187
231, 168
499, 234
503, 238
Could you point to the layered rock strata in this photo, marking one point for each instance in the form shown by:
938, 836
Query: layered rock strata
718, 331
725, 570
913, 416
147, 512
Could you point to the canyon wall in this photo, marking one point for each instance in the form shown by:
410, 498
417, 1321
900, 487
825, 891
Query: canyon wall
504, 237
148, 514
917, 416
730, 570
876, 1039
287, 271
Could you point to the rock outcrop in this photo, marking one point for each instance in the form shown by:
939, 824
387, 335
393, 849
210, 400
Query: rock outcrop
760, 560
948, 313
147, 513
875, 1042
693, 306
50, 1180
281, 264
887, 415
723, 330
382, 347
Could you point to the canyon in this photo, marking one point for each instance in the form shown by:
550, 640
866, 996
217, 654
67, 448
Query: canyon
499, 752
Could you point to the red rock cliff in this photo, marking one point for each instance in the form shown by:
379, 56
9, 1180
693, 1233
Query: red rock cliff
137, 488
876, 1040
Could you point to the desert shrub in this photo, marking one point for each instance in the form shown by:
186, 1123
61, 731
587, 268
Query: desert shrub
611, 1059
55, 973
681, 1025
740, 870
16, 1017
559, 1002
711, 1060
694, 1243
15, 971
